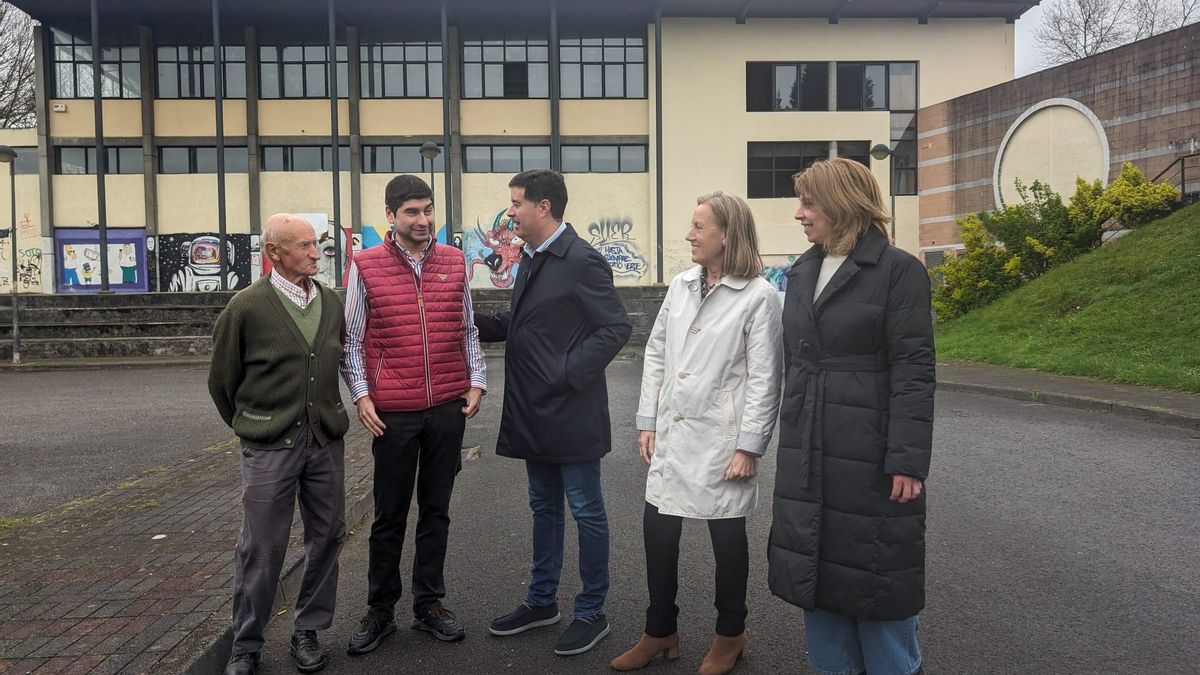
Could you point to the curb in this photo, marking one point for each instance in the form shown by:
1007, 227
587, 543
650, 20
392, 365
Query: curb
212, 657
1131, 410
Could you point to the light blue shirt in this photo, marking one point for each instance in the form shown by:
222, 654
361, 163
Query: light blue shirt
562, 227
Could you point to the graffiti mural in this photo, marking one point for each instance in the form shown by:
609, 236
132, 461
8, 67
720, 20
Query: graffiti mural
496, 250
192, 262
29, 259
79, 260
613, 238
775, 268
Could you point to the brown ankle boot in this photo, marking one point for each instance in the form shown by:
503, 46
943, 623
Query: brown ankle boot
647, 648
723, 655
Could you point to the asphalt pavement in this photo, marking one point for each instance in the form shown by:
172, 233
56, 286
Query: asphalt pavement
1059, 541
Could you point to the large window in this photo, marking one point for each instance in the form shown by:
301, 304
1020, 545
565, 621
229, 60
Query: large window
603, 158
303, 158
877, 86
514, 68
300, 71
201, 160
787, 86
120, 72
398, 159
190, 72
26, 162
505, 158
611, 67
904, 153
770, 166
402, 70
70, 161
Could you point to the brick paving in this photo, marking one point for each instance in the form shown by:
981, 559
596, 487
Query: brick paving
115, 582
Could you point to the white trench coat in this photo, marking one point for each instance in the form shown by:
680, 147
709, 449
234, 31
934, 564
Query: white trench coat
710, 386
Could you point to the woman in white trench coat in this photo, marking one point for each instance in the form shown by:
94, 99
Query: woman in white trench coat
710, 397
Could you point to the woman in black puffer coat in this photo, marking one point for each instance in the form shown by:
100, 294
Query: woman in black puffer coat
847, 539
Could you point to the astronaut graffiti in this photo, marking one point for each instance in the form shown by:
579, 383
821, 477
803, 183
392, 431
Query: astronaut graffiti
192, 262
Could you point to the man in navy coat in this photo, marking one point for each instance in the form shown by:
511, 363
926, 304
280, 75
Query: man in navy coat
565, 324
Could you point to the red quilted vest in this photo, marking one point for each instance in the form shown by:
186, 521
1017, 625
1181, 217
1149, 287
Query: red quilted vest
414, 338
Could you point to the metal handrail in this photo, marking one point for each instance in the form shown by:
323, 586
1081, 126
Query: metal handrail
1178, 166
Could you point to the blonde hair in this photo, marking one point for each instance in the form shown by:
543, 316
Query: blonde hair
735, 219
846, 192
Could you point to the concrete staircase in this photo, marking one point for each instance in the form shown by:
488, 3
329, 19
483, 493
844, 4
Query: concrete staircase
57, 328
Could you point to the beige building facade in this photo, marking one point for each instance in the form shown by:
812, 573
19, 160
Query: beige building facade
644, 106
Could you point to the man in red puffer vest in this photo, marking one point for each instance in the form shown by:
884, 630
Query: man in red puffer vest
416, 373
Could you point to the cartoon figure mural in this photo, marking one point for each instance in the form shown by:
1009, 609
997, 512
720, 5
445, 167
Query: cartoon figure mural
200, 266
775, 269
79, 264
498, 250
70, 266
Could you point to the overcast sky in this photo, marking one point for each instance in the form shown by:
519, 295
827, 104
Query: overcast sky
1026, 59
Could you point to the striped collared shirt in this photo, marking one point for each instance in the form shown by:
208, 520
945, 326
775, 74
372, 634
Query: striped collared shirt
297, 294
353, 364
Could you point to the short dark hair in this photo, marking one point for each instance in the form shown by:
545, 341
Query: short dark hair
542, 184
403, 188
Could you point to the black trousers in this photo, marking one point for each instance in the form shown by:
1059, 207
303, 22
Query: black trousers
662, 571
422, 449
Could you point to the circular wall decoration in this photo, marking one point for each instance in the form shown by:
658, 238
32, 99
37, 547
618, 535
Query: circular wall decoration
1054, 141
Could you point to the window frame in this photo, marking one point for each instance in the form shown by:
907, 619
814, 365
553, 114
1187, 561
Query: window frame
369, 63
620, 162
193, 152
197, 63
504, 44
80, 49
525, 165
577, 42
113, 153
288, 158
773, 171
278, 62
370, 159
774, 69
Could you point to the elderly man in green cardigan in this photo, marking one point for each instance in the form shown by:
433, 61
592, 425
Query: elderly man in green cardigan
274, 378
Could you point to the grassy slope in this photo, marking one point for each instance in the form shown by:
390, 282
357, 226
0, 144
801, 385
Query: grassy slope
1129, 312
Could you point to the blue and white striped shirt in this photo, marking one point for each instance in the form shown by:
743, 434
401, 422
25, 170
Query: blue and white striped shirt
354, 370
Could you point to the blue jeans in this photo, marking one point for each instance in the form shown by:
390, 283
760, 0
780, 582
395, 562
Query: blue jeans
581, 484
842, 645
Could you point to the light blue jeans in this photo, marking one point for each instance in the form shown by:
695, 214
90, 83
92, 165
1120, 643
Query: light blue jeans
843, 645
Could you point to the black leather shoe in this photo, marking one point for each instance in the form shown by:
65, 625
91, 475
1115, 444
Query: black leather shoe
307, 652
372, 629
242, 664
442, 623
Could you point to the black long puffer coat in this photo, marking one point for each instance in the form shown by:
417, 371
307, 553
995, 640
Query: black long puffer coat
857, 408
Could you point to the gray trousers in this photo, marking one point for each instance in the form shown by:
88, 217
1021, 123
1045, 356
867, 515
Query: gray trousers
270, 481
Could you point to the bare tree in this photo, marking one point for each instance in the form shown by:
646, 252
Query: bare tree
1075, 29
17, 65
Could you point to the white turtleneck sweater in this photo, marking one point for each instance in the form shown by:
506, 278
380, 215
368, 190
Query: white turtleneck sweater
829, 265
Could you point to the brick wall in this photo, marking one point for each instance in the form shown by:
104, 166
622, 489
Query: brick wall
1146, 95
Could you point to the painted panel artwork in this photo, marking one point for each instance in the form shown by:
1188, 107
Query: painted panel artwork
79, 260
192, 262
493, 253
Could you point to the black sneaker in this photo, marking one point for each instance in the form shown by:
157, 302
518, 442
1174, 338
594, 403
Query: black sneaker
372, 629
242, 664
581, 635
307, 652
442, 623
524, 617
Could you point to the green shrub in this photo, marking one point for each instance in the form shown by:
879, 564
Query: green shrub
1132, 200
982, 273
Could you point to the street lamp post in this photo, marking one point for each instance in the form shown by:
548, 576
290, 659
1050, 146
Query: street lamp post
882, 151
430, 151
8, 156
